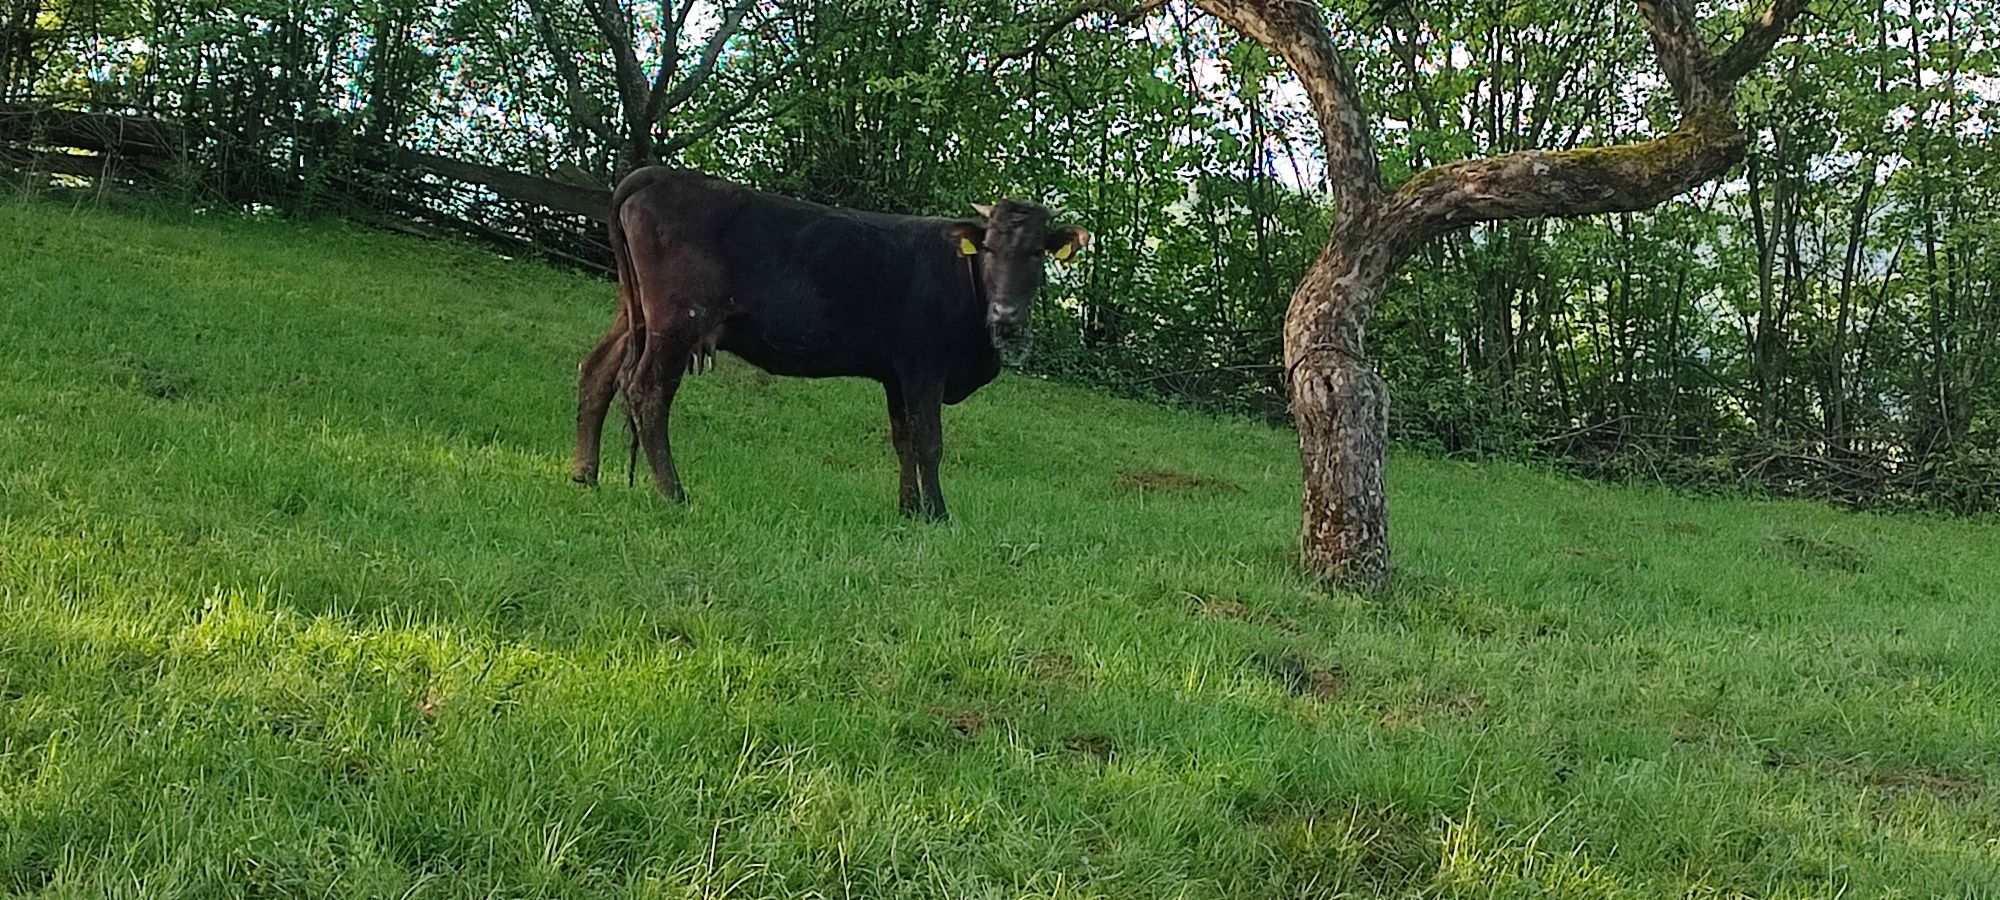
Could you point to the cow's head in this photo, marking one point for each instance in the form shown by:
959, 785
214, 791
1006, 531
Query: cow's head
1007, 250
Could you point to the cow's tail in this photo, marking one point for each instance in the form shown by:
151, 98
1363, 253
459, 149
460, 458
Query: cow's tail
634, 314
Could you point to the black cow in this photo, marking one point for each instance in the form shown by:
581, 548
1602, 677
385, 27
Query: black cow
926, 306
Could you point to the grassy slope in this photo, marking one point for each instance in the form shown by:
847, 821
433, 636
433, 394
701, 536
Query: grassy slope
295, 597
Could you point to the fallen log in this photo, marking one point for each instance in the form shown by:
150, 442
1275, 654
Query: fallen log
129, 136
82, 165
591, 203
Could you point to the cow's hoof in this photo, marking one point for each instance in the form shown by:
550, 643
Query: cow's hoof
587, 479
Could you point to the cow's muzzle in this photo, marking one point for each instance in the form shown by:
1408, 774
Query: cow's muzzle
1012, 336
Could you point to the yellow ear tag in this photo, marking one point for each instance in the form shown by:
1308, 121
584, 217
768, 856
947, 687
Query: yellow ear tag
965, 247
1065, 251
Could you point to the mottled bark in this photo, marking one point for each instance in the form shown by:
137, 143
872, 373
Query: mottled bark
1341, 408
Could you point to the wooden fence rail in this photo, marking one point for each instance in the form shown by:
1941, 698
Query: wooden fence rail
520, 213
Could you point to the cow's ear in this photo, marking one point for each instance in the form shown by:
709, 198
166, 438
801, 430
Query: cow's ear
966, 237
1064, 242
985, 211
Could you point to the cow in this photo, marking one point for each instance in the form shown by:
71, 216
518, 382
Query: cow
928, 307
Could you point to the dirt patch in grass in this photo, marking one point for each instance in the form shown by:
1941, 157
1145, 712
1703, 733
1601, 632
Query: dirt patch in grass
1457, 705
842, 463
1809, 552
430, 703
944, 727
152, 379
1924, 782
1464, 706
968, 722
1096, 745
1301, 676
1236, 611
1054, 665
355, 769
1172, 481
1890, 781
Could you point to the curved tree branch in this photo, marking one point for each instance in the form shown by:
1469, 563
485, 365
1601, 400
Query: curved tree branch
1293, 29
1621, 178
1542, 183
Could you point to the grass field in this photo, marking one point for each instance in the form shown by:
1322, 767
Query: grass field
296, 599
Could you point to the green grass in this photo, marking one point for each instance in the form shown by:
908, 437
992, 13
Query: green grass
296, 599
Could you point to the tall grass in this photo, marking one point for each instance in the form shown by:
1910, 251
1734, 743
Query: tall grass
295, 599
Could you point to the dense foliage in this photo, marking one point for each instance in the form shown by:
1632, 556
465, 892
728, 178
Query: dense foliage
1826, 321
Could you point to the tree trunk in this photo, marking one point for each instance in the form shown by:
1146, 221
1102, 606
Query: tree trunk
1341, 408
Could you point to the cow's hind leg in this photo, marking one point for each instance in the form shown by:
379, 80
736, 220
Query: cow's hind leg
681, 295
657, 380
596, 382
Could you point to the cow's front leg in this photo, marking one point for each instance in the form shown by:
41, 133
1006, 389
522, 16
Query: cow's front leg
926, 418
596, 382
908, 494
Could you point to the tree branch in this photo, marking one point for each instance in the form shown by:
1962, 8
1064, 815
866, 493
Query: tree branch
1293, 29
592, 202
1757, 40
1124, 15
728, 115
1536, 183
617, 32
1621, 178
1678, 47
670, 48
732, 22
579, 104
